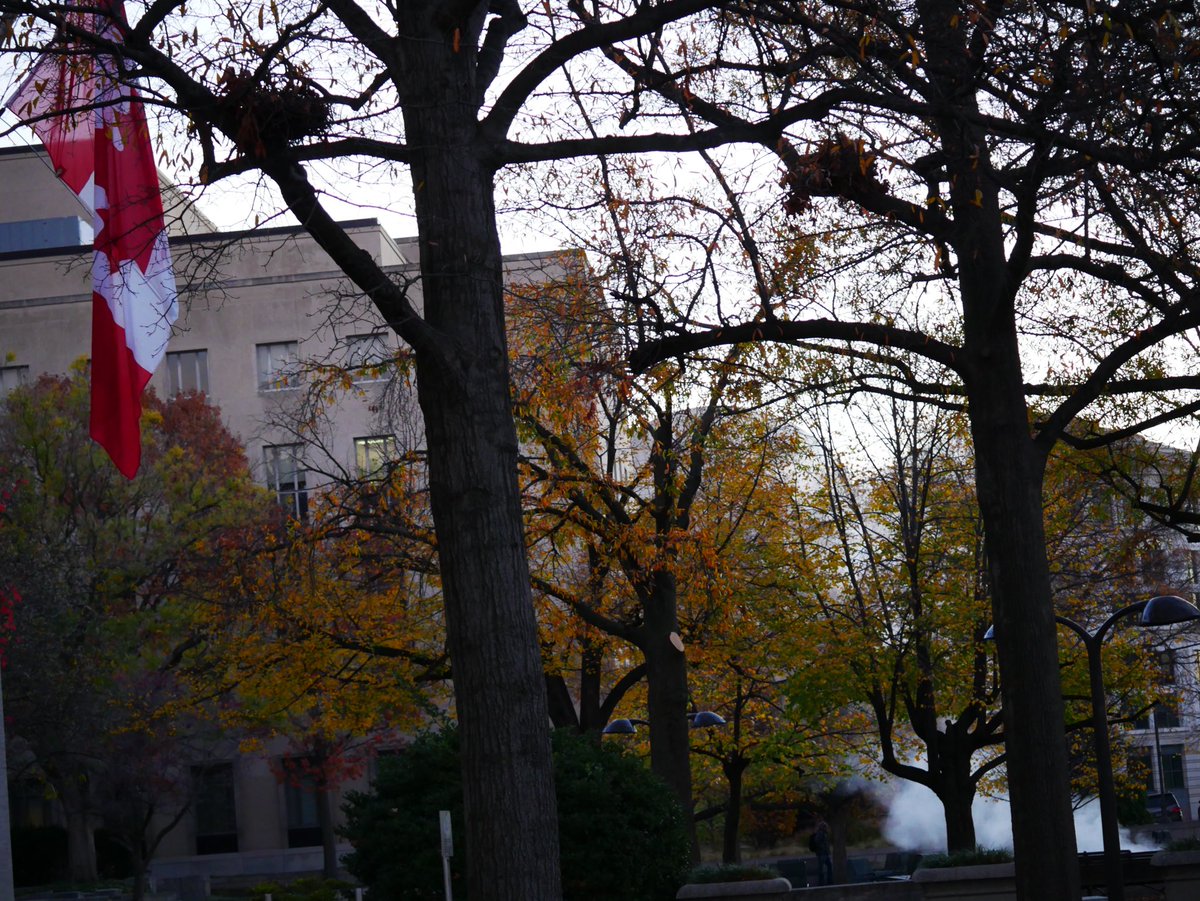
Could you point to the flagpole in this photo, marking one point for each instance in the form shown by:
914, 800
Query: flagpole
6, 862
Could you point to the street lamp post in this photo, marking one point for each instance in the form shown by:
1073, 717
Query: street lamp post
1164, 610
1158, 760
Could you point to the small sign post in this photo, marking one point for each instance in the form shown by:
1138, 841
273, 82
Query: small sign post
447, 850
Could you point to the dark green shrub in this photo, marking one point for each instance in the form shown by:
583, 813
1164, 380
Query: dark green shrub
394, 827
621, 832
966, 858
308, 888
1131, 810
39, 854
113, 860
1183, 844
731, 872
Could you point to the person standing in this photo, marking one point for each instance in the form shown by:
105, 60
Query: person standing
819, 845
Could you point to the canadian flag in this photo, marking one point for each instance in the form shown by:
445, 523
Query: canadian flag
94, 129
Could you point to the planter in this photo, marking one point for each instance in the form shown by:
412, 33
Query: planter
986, 882
1180, 873
778, 889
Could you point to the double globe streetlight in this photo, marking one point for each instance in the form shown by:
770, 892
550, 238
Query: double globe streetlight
1164, 610
702, 719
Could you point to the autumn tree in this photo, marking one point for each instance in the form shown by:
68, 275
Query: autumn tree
901, 602
99, 564
993, 121
1022, 178
642, 494
319, 640
278, 90
903, 598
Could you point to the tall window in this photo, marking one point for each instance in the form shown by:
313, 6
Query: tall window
1166, 717
372, 454
278, 365
287, 478
1171, 762
216, 809
11, 377
1145, 762
187, 370
1166, 666
302, 797
366, 355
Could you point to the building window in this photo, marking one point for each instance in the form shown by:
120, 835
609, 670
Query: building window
11, 377
1166, 666
372, 454
1144, 763
366, 355
1166, 717
216, 810
287, 478
302, 796
1171, 763
187, 372
278, 365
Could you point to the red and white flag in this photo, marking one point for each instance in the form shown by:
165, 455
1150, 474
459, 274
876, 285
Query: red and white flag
94, 129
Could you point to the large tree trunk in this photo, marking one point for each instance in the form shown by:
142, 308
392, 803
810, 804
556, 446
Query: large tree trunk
954, 787
1009, 486
139, 875
329, 858
1008, 477
731, 846
1009, 470
81, 844
500, 696
6, 861
957, 801
667, 698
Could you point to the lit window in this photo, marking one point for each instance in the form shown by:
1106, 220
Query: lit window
215, 809
1166, 666
286, 477
11, 377
366, 355
187, 371
371, 455
277, 365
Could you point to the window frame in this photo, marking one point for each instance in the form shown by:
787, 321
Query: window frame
374, 354
301, 801
278, 374
221, 778
363, 451
292, 495
173, 360
20, 377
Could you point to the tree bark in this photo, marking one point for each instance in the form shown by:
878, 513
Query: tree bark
329, 859
81, 844
954, 784
957, 801
667, 697
731, 846
500, 695
1009, 488
1008, 480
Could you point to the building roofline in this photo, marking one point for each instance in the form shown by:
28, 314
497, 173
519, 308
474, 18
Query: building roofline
184, 240
16, 149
